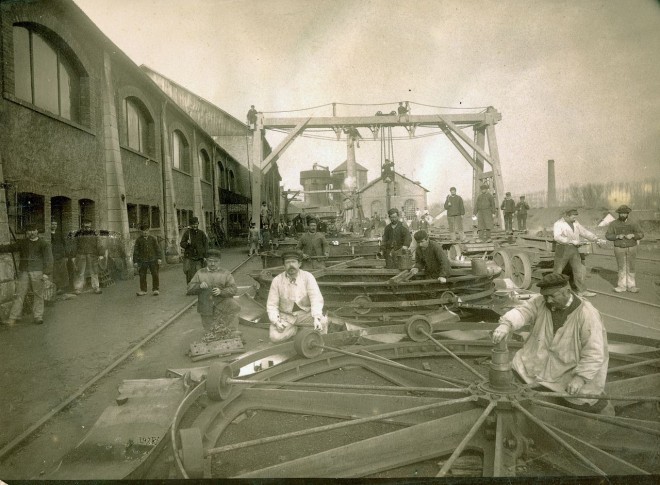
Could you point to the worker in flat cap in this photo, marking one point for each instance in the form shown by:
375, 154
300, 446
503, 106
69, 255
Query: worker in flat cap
455, 212
485, 209
567, 233
625, 234
195, 244
521, 213
396, 238
215, 288
508, 208
566, 350
294, 300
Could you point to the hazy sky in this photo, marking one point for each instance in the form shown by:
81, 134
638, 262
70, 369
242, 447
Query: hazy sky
575, 81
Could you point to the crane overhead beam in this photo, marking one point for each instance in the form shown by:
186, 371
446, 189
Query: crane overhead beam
466, 139
462, 119
297, 130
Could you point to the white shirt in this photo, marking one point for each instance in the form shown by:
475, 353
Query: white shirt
565, 235
304, 292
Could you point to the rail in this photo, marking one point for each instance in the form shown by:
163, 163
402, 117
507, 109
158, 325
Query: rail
47, 417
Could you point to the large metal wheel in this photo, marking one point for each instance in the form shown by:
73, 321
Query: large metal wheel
521, 270
387, 412
503, 260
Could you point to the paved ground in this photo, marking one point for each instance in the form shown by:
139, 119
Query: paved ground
42, 365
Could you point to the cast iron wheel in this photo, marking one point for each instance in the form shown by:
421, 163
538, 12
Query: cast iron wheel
402, 419
521, 270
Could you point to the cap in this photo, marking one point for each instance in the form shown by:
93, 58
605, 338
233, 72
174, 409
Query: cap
508, 193
144, 227
214, 253
312, 220
86, 221
483, 186
393, 210
552, 282
624, 209
31, 227
421, 235
522, 196
292, 254
571, 212
194, 220
452, 188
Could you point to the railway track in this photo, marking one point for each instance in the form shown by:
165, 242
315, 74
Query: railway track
15, 442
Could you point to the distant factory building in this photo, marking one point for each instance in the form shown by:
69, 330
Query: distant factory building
405, 193
342, 172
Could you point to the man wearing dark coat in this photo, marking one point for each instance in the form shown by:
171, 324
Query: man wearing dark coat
509, 208
484, 209
34, 268
395, 238
195, 245
430, 257
146, 257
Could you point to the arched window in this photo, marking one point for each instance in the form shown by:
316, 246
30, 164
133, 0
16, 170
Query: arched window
44, 74
222, 175
205, 162
410, 206
138, 125
180, 152
232, 181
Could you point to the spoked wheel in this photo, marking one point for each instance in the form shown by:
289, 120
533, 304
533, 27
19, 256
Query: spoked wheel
389, 410
521, 270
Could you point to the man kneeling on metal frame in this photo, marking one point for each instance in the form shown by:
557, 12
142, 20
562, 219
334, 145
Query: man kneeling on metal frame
294, 300
566, 350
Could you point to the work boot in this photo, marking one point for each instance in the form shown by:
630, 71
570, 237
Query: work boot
39, 321
10, 322
76, 292
141, 293
587, 294
98, 291
620, 289
156, 293
634, 289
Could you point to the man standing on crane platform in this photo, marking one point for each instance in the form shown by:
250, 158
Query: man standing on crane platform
484, 209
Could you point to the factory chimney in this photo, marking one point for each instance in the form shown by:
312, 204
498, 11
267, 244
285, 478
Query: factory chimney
552, 188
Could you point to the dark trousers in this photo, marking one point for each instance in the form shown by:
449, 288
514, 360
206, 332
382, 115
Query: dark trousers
152, 267
508, 221
522, 222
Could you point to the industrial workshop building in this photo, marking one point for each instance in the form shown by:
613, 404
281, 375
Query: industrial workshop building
86, 133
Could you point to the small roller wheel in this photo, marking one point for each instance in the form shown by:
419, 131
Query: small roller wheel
217, 387
307, 343
417, 327
192, 452
362, 299
521, 270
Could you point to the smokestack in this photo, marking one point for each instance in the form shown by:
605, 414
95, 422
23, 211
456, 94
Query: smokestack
552, 189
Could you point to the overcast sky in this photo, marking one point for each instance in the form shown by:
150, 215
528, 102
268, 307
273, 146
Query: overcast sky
575, 81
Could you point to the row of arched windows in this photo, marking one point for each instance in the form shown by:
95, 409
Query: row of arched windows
48, 75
